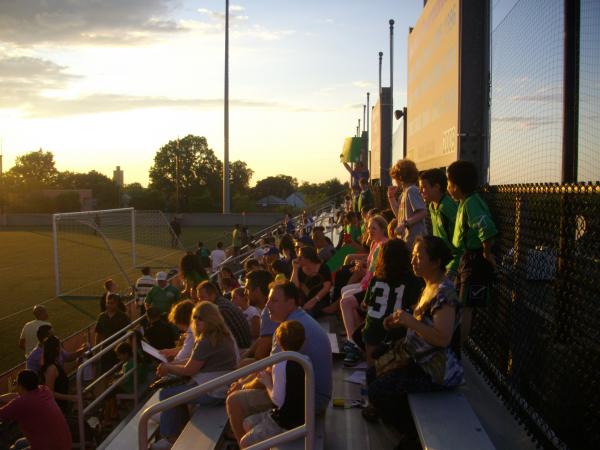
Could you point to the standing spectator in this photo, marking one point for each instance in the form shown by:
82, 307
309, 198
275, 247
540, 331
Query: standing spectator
109, 322
204, 254
217, 256
191, 274
163, 295
234, 318
236, 239
365, 198
284, 383
244, 236
214, 355
313, 278
143, 285
53, 374
257, 291
110, 287
34, 360
37, 414
290, 226
355, 197
251, 313
159, 333
474, 235
28, 339
284, 304
442, 212
410, 208
359, 171
175, 231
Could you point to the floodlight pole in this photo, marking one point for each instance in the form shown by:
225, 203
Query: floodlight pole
380, 58
226, 200
392, 65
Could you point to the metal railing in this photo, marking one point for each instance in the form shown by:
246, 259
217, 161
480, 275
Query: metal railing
307, 430
80, 390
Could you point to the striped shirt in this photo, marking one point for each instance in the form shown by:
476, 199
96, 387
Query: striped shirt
236, 322
142, 287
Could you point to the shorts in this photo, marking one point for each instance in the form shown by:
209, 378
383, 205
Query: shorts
474, 280
260, 426
251, 401
373, 332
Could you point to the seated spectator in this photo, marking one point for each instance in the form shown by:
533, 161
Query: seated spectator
245, 399
159, 333
257, 291
181, 317
162, 296
110, 322
313, 278
287, 248
353, 294
424, 359
214, 354
252, 264
325, 248
142, 286
251, 313
28, 339
217, 256
33, 408
34, 359
110, 287
233, 317
228, 285
410, 209
226, 272
392, 287
191, 274
284, 383
53, 375
281, 268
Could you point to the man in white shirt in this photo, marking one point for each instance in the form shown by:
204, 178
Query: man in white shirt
143, 286
28, 339
217, 256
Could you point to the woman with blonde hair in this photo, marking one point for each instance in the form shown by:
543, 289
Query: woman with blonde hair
215, 353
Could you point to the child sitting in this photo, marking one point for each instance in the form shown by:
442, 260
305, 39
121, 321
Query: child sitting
285, 386
251, 313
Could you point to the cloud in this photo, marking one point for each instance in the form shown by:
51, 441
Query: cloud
105, 22
523, 122
362, 84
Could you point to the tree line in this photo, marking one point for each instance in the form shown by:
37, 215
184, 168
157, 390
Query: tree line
186, 176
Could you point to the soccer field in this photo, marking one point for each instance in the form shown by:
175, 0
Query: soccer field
27, 277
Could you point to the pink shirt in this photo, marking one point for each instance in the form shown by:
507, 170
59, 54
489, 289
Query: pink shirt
40, 419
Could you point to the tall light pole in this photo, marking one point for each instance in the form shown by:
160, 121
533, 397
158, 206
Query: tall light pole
392, 64
226, 202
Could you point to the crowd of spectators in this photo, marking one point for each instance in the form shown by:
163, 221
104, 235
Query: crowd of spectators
403, 291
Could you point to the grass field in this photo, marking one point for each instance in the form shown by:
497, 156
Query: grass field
27, 277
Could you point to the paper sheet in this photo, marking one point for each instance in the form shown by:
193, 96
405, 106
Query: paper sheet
357, 377
153, 352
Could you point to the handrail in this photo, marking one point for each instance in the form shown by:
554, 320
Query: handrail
307, 430
81, 411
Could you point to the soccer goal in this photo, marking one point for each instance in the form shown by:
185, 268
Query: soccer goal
92, 246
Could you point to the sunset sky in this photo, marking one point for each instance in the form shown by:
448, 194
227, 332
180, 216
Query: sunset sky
107, 83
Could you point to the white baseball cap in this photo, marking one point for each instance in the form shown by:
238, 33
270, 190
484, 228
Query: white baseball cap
161, 276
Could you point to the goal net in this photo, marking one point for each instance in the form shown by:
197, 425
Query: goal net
90, 247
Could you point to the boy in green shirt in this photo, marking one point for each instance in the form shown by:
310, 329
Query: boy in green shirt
442, 212
473, 234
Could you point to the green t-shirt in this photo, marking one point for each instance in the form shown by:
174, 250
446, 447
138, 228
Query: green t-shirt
142, 371
161, 298
443, 219
473, 218
354, 232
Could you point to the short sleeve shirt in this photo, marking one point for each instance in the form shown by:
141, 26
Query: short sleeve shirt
474, 224
311, 285
235, 320
216, 357
161, 298
410, 202
29, 333
443, 219
107, 326
267, 326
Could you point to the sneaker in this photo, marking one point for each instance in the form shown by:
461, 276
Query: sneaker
347, 345
353, 356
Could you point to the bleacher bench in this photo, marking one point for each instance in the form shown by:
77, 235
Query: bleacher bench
204, 429
298, 444
126, 438
446, 421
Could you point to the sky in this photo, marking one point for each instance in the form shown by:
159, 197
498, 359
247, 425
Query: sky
101, 84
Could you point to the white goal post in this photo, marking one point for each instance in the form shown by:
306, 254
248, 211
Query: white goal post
92, 246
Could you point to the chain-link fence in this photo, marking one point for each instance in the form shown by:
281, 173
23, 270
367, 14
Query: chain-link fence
538, 342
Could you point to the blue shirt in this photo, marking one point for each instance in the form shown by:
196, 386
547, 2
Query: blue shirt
318, 349
267, 326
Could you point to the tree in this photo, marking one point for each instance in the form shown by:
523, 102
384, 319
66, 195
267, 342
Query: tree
143, 198
281, 186
190, 160
34, 169
104, 190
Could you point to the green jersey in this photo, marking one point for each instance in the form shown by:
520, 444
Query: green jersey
443, 218
161, 298
474, 224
